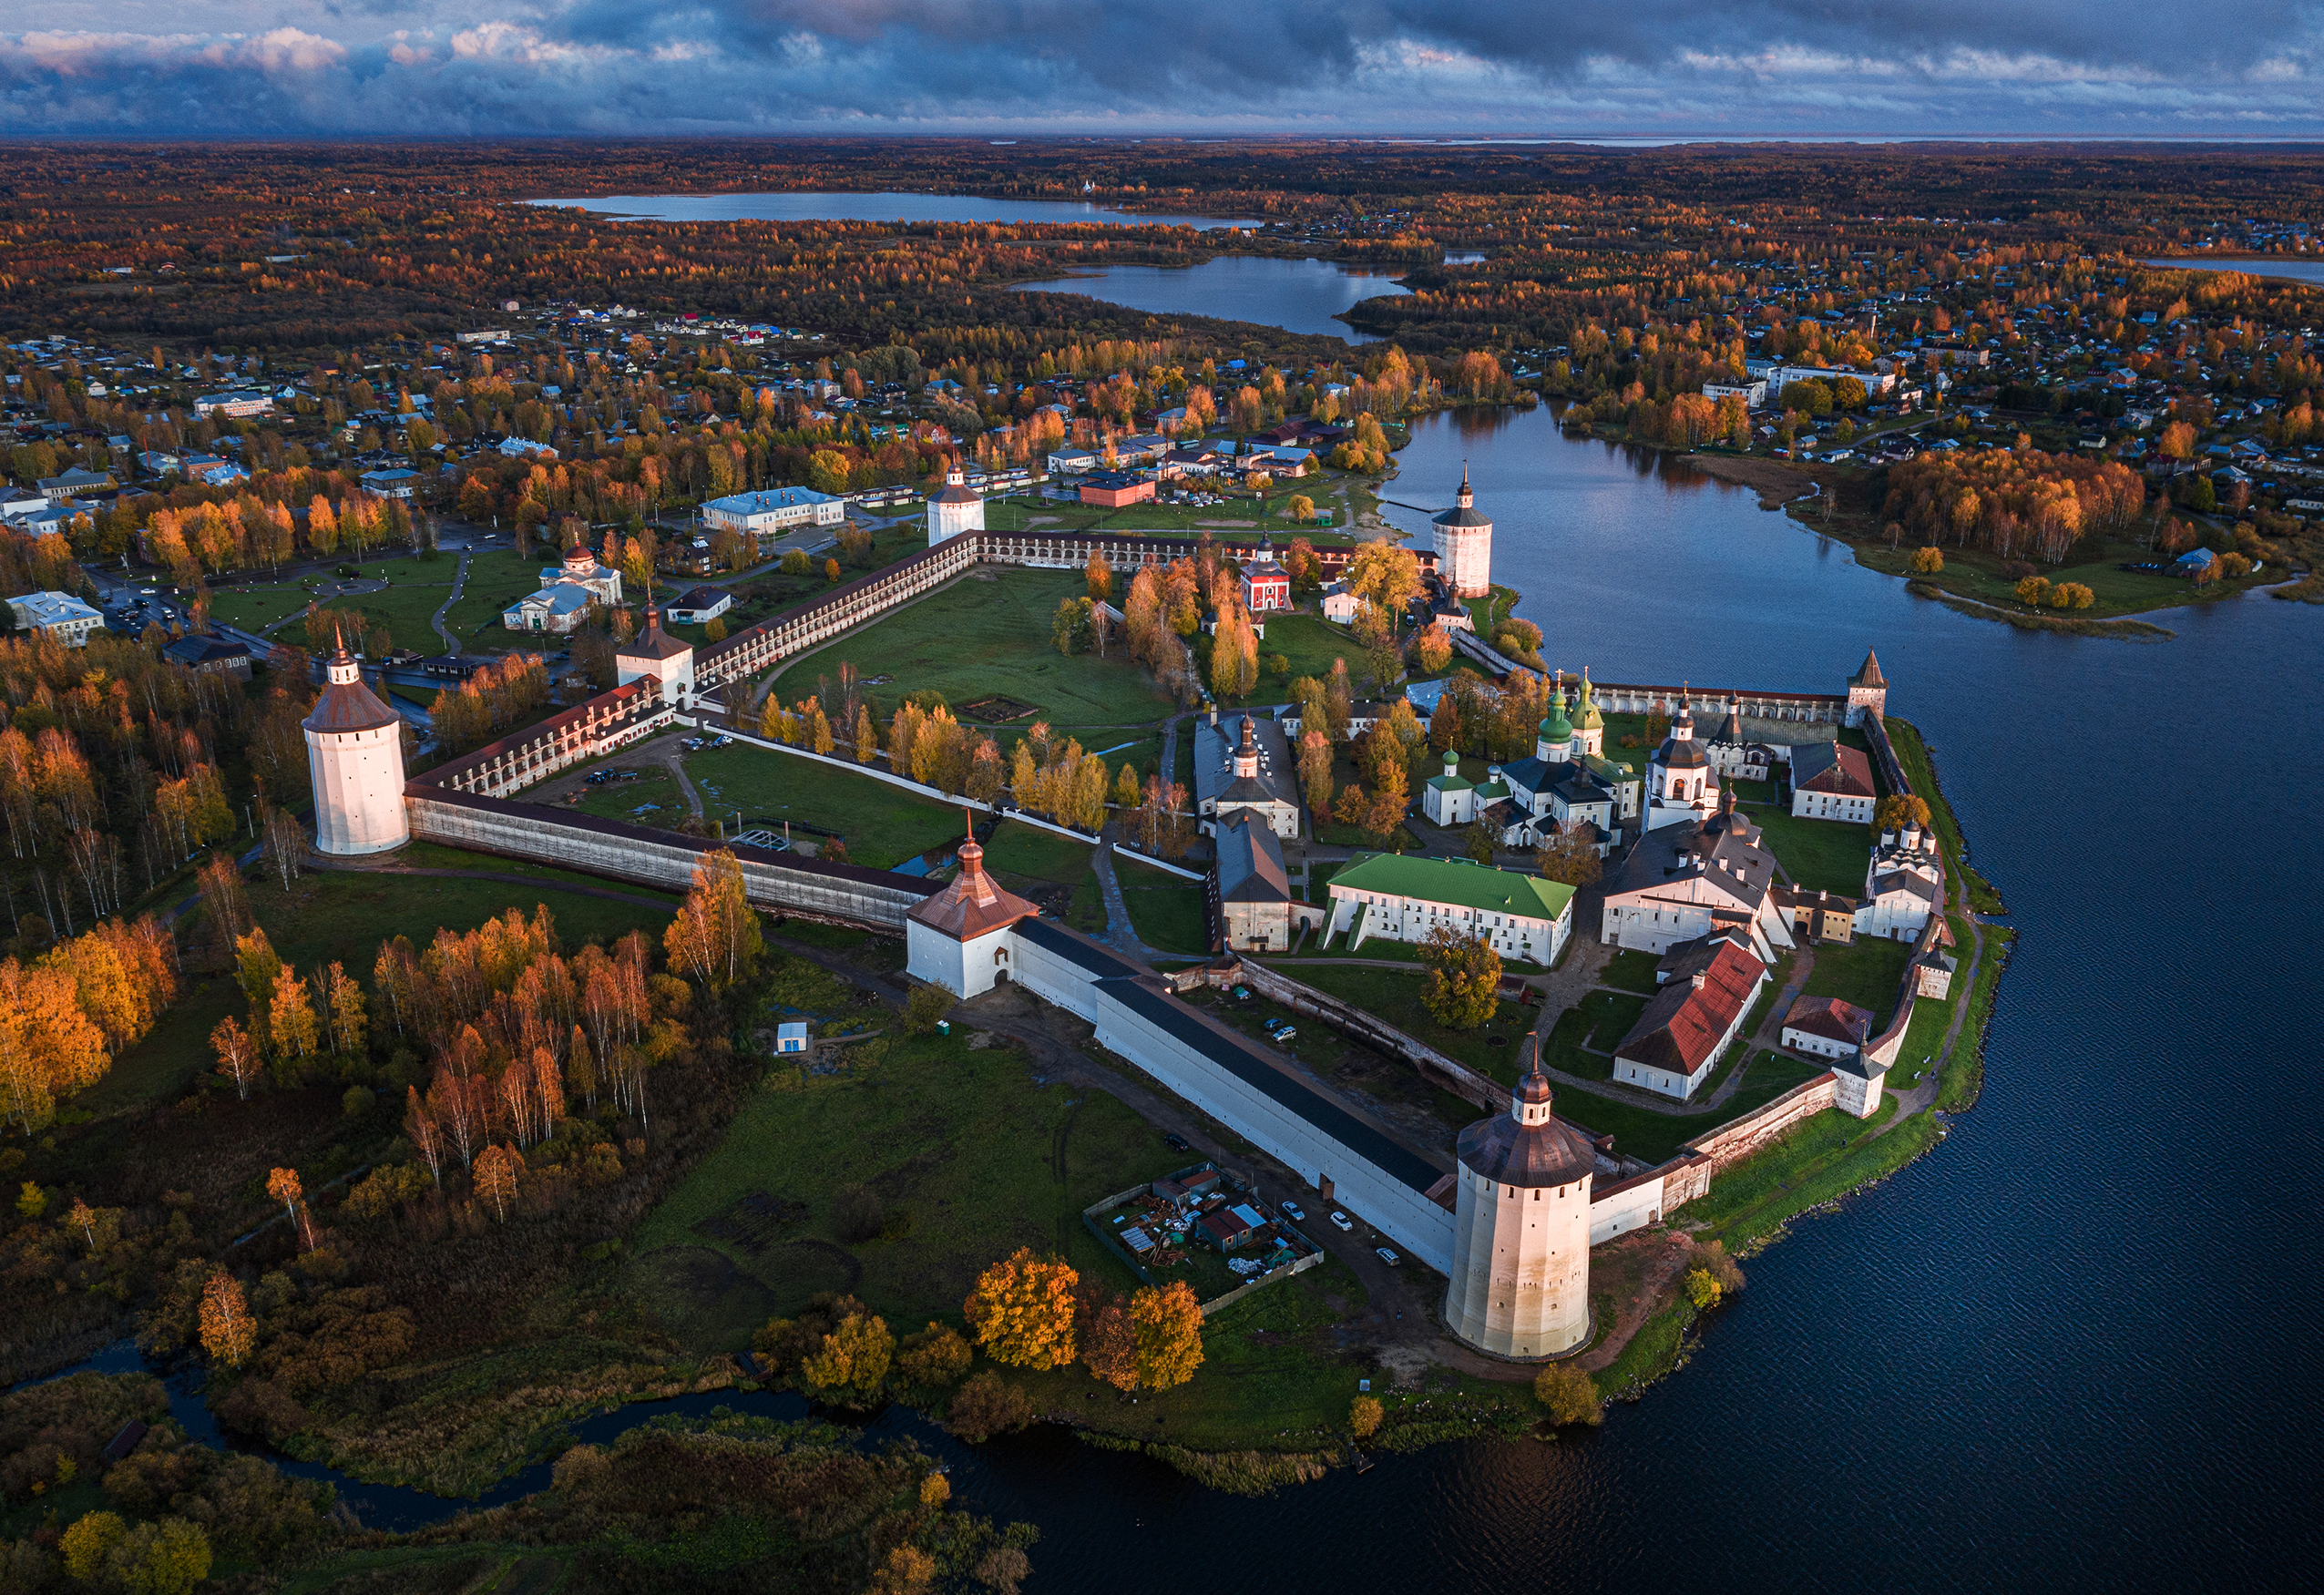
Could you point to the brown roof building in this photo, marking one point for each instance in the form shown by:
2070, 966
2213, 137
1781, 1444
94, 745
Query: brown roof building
1681, 1035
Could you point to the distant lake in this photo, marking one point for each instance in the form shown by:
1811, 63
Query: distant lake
884, 207
2293, 266
1299, 296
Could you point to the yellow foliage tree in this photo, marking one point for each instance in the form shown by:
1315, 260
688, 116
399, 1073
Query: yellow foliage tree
1169, 1321
496, 1170
1022, 1310
228, 1334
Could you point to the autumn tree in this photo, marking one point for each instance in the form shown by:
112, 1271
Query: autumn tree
715, 936
936, 1356
986, 1406
289, 1018
496, 1173
853, 1360
1106, 1337
1464, 975
283, 1185
227, 1333
1364, 1417
238, 1058
1097, 573
1571, 857
1899, 810
1568, 1395
1021, 1310
1169, 1325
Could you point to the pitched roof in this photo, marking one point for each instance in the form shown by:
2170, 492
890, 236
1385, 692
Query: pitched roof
1830, 1018
1684, 1021
973, 904
1457, 882
1250, 863
654, 643
1868, 673
1828, 767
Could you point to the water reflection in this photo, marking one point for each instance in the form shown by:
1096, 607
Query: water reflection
1299, 296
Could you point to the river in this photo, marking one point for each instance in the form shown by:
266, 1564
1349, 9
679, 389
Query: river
1299, 296
2063, 1351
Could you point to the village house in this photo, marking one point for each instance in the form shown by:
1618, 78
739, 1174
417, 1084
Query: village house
210, 656
699, 605
1524, 917
59, 617
1829, 782
233, 406
1708, 988
1339, 605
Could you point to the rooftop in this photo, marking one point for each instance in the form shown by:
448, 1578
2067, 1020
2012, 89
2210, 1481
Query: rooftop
1456, 881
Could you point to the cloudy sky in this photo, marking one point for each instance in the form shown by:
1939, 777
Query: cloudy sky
2151, 68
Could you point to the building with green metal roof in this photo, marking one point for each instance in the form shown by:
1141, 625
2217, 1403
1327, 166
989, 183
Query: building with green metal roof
1524, 917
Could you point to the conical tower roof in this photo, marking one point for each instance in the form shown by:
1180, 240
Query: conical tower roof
1528, 1146
346, 704
1869, 674
974, 904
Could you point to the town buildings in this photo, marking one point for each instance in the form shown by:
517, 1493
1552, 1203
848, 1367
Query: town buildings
1524, 917
59, 617
1684, 882
770, 511
699, 605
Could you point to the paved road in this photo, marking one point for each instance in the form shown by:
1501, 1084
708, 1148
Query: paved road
459, 582
1121, 934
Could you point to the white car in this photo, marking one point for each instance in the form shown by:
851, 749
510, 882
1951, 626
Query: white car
1294, 1210
1388, 1257
1342, 1220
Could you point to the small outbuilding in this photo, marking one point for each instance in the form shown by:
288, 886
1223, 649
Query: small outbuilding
791, 1040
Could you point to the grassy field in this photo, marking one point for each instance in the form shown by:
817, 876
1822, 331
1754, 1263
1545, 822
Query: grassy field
884, 824
967, 1157
1395, 996
497, 577
1029, 860
1630, 970
1171, 914
1913, 754
309, 927
1866, 973
418, 590
1599, 1022
1311, 643
653, 798
1977, 575
980, 637
1819, 854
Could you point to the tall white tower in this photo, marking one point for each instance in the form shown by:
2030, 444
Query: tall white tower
1465, 545
1520, 1237
654, 652
355, 759
954, 510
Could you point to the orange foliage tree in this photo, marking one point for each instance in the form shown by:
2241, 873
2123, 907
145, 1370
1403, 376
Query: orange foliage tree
1169, 1323
228, 1334
496, 1170
1022, 1310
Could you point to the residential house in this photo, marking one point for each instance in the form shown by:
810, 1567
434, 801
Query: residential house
1678, 1039
210, 656
59, 617
699, 605
1829, 782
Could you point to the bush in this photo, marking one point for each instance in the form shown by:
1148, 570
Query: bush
261, 1409
1364, 1417
786, 1343
985, 1407
1703, 1289
924, 1007
1714, 1261
1927, 561
1568, 1396
358, 1102
851, 1364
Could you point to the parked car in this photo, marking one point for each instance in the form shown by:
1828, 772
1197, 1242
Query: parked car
1293, 1209
1342, 1221
1388, 1257
1286, 1034
1176, 1142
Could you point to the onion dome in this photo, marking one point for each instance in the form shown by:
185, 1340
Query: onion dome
1556, 730
1585, 715
1528, 1146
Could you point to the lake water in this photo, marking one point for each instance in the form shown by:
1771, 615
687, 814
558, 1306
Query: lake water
1299, 296
882, 206
2295, 267
2062, 1352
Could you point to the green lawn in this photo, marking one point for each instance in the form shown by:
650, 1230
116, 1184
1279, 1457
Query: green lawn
967, 1157
1819, 854
1867, 973
497, 577
417, 590
1171, 914
1599, 1022
1977, 575
345, 915
1395, 996
653, 798
884, 824
1311, 643
1913, 754
980, 637
1025, 857
1630, 970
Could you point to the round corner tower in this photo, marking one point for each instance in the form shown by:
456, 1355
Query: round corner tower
1519, 1284
355, 761
1465, 545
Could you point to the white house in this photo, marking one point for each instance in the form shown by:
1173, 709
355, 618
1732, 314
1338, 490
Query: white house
1449, 799
1826, 1027
1903, 884
1340, 605
1073, 461
1829, 782
1404, 899
1751, 392
1679, 1039
390, 484
698, 605
233, 406
518, 448
771, 510
59, 617
566, 593
1683, 882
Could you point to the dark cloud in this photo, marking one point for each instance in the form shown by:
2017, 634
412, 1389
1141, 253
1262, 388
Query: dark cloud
1800, 66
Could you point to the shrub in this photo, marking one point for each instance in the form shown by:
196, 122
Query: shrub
1927, 561
985, 1407
926, 1006
1703, 1289
1568, 1396
786, 1343
852, 1361
1364, 1417
1712, 1260
358, 1102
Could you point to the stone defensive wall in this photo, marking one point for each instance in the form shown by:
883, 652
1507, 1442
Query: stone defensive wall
1644, 1198
779, 882
1790, 711
609, 721
768, 643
